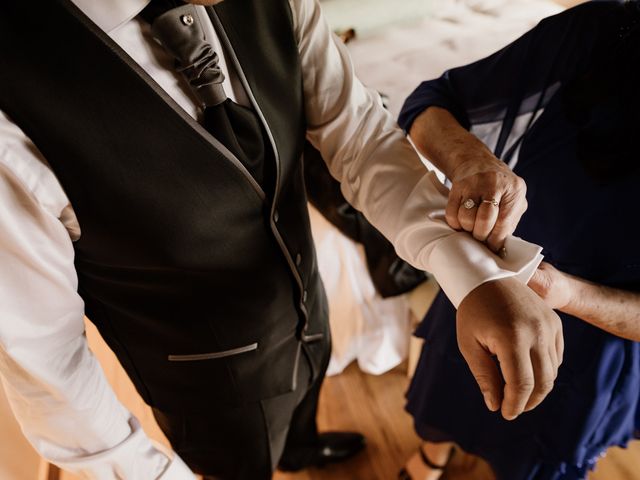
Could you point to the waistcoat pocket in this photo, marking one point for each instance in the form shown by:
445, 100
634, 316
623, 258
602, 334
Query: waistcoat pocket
213, 355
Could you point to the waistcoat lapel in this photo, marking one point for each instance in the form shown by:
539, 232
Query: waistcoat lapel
116, 55
265, 55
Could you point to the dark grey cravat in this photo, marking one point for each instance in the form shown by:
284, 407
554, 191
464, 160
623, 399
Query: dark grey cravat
179, 31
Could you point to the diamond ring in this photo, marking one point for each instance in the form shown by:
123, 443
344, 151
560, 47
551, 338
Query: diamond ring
469, 203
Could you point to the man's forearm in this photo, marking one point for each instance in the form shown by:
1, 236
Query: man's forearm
610, 309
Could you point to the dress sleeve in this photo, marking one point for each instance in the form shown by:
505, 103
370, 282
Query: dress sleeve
554, 51
54, 384
381, 174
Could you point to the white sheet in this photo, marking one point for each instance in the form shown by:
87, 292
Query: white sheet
364, 327
397, 59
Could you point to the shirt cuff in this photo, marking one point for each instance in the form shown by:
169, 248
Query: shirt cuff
460, 263
136, 458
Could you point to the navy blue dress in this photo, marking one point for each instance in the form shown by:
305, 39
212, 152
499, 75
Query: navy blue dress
516, 101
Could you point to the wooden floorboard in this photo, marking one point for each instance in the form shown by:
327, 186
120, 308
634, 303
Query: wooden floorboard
374, 405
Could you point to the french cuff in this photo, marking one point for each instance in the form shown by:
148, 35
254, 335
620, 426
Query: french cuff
460, 263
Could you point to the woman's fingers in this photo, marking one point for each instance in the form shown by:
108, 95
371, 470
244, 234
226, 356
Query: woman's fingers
487, 202
453, 206
511, 210
486, 217
467, 214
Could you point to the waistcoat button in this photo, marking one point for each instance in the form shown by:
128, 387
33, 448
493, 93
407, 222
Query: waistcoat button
298, 260
276, 216
187, 20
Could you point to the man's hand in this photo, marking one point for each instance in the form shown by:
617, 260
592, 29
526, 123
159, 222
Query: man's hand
506, 319
553, 286
498, 197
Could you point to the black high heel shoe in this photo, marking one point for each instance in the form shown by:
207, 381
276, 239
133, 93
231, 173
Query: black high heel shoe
403, 474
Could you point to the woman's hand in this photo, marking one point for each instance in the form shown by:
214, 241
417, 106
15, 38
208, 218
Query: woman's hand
486, 199
494, 194
553, 286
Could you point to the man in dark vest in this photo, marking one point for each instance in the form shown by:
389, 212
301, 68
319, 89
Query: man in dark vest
151, 176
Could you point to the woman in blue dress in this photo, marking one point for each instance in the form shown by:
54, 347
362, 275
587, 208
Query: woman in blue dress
561, 107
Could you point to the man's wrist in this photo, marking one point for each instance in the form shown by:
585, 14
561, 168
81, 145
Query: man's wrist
491, 288
460, 264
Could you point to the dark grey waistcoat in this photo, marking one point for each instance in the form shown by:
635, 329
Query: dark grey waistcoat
205, 290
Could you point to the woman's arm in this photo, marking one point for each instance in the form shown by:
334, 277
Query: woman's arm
441, 115
610, 309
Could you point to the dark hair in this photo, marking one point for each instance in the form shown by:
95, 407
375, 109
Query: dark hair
604, 102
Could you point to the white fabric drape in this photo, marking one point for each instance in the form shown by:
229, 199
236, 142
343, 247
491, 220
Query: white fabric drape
364, 326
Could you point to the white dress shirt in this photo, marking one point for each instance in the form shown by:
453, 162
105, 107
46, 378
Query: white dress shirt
54, 384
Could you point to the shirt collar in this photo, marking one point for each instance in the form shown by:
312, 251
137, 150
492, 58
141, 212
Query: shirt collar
110, 14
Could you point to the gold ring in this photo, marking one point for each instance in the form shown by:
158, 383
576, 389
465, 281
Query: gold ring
492, 201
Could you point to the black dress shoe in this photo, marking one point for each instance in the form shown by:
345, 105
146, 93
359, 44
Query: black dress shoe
332, 447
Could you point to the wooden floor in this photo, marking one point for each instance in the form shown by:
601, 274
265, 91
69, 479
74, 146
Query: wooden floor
374, 406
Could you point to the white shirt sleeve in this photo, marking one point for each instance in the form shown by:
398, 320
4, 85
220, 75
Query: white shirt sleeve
54, 384
380, 172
